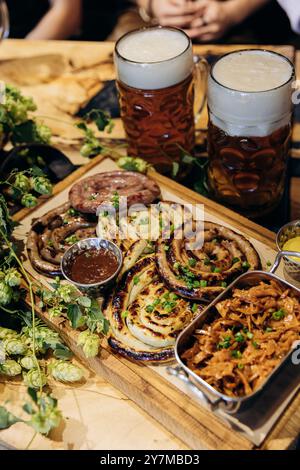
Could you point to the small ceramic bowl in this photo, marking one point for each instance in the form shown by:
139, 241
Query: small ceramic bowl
97, 289
288, 231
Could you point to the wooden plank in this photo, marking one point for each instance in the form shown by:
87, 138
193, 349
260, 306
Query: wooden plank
175, 410
242, 223
287, 428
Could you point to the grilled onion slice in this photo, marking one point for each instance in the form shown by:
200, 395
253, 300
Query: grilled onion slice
204, 273
145, 316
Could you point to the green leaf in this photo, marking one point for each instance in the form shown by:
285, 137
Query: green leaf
82, 125
6, 223
100, 118
84, 301
187, 159
28, 408
74, 315
96, 320
36, 171
7, 419
62, 352
25, 132
175, 169
33, 394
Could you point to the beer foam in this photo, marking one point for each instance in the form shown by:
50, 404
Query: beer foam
249, 93
252, 71
154, 58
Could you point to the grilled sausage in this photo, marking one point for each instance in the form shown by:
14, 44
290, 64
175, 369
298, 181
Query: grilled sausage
88, 194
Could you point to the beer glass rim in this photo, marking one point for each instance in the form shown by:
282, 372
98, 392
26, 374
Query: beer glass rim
146, 28
254, 50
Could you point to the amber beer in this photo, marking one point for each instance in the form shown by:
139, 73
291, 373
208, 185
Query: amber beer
155, 71
250, 106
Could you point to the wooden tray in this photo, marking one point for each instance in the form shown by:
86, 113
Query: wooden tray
151, 387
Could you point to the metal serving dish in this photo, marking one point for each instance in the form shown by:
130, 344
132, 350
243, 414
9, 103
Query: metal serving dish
97, 289
276, 388
288, 231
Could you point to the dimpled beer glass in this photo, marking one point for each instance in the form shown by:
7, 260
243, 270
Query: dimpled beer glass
250, 108
155, 79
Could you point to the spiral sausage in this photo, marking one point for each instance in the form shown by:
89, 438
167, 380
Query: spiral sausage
46, 242
204, 273
88, 194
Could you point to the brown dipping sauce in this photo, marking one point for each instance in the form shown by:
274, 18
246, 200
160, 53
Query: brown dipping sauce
92, 266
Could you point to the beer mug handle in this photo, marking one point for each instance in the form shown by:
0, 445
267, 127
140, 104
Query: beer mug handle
201, 76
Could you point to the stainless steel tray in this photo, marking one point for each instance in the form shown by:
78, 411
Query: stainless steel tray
254, 414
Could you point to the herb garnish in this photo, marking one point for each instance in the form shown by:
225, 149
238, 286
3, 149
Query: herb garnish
279, 315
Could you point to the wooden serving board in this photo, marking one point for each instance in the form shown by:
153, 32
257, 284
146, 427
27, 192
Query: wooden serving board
162, 397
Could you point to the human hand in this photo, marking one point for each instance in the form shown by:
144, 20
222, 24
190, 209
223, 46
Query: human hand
212, 19
176, 13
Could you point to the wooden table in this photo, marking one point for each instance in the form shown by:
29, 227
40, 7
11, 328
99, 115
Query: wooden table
66, 84
82, 69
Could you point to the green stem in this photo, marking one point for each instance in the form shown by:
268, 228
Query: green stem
104, 149
31, 441
7, 310
54, 119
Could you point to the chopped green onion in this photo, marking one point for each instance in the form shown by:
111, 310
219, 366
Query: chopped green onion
192, 262
173, 296
279, 315
150, 308
225, 343
239, 337
217, 270
236, 354
71, 240
125, 314
196, 284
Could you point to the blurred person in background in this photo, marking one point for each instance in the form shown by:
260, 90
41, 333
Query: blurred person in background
100, 17
91, 20
292, 8
230, 21
43, 19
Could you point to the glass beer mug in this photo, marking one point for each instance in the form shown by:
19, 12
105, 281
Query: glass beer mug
250, 109
155, 79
